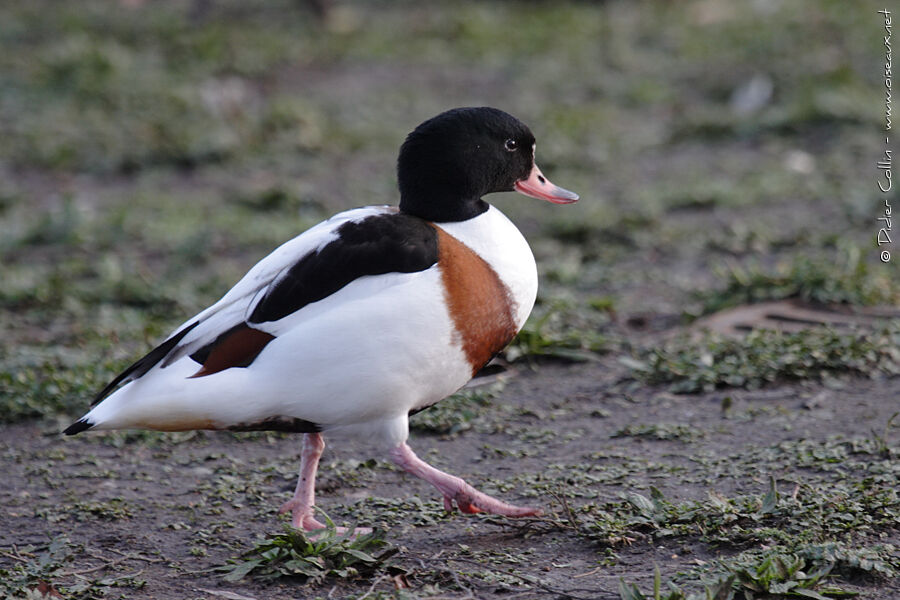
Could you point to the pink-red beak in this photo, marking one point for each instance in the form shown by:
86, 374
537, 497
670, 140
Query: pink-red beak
538, 186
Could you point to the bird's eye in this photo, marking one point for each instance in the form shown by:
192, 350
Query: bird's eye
511, 145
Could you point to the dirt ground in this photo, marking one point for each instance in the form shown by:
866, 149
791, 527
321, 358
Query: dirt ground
182, 505
725, 154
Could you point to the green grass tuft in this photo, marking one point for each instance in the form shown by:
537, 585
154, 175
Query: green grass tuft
316, 556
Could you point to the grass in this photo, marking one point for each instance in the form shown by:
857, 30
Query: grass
802, 545
662, 431
826, 524
454, 414
112, 509
808, 572
764, 357
846, 280
389, 513
808, 516
56, 569
314, 557
770, 573
562, 331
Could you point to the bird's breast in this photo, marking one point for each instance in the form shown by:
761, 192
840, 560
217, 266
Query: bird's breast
481, 307
490, 282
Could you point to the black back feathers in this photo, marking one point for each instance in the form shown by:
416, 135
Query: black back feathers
391, 243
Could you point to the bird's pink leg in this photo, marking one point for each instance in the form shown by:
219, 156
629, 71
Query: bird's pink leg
468, 499
301, 505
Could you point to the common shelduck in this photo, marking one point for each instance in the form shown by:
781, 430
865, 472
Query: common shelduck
364, 319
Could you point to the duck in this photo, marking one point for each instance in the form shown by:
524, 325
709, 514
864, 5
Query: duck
359, 322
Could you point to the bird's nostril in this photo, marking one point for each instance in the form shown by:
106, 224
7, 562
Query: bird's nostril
541, 179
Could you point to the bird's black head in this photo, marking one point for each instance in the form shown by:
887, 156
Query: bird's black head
450, 161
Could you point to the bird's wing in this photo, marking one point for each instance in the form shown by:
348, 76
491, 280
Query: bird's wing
307, 269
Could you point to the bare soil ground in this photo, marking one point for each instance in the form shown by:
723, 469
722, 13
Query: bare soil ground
164, 509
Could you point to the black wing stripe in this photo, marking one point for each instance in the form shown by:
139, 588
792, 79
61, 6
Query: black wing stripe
146, 363
285, 424
376, 245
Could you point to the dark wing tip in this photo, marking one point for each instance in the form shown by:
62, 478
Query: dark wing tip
78, 426
143, 365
